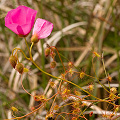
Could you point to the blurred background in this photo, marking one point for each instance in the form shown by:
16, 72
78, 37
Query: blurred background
80, 28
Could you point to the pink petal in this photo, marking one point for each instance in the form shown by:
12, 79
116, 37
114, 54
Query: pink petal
20, 20
45, 30
38, 25
42, 28
24, 29
12, 27
19, 15
30, 14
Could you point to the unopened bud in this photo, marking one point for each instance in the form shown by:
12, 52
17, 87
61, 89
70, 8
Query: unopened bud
113, 90
82, 74
40, 98
91, 87
53, 64
34, 38
90, 114
70, 64
111, 96
109, 78
13, 61
52, 84
47, 52
20, 68
14, 109
66, 92
56, 107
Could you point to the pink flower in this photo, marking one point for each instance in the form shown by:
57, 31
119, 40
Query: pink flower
42, 29
20, 20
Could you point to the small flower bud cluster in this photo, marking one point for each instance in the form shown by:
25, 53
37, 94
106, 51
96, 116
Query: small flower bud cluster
70, 64
52, 84
14, 109
90, 88
109, 78
113, 91
50, 52
82, 74
40, 98
56, 107
96, 54
65, 93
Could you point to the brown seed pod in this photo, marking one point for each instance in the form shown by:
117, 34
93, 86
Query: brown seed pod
20, 68
47, 52
13, 60
53, 64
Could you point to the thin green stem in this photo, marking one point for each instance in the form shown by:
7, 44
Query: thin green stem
21, 52
43, 64
70, 83
98, 78
105, 70
31, 50
27, 44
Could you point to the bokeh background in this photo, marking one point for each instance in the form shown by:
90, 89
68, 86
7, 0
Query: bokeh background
80, 27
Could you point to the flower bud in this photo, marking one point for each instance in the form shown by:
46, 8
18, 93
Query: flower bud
34, 38
109, 78
56, 107
82, 74
70, 64
47, 52
71, 71
53, 64
20, 68
40, 98
52, 84
14, 109
66, 92
13, 61
113, 90
90, 114
91, 87
111, 96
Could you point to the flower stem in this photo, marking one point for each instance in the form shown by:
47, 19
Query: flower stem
43, 64
27, 44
